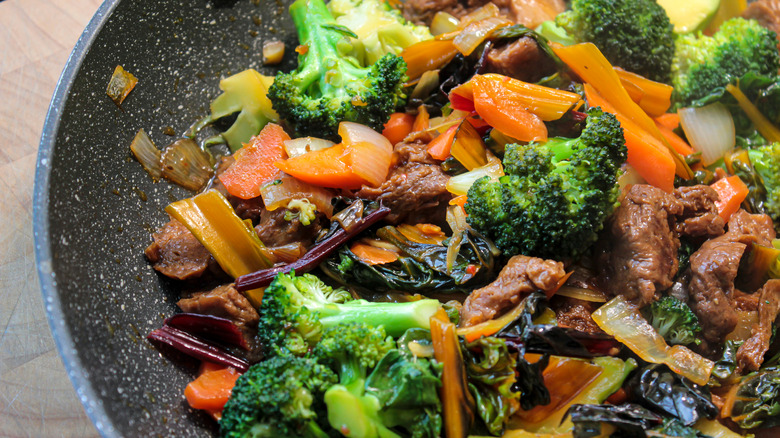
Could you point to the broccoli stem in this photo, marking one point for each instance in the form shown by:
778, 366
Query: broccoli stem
395, 317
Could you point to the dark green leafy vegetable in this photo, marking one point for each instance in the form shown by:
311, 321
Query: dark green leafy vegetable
726, 365
407, 389
490, 369
420, 268
756, 401
630, 419
660, 389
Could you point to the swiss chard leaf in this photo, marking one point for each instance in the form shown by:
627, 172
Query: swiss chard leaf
629, 419
658, 388
490, 369
757, 400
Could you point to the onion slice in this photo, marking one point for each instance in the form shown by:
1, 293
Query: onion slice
710, 130
187, 165
460, 184
146, 152
278, 193
299, 146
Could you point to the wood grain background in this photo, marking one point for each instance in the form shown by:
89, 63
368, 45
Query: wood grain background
36, 396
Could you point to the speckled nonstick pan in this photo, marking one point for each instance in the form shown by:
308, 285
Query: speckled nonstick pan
95, 207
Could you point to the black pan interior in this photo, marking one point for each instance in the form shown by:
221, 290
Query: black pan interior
95, 207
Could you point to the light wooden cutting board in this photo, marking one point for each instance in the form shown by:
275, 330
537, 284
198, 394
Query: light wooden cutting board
36, 396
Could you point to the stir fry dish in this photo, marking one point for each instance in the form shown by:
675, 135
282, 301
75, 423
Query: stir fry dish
469, 219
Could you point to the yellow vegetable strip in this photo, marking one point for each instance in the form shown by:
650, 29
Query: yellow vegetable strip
764, 126
623, 321
457, 402
656, 97
590, 64
232, 242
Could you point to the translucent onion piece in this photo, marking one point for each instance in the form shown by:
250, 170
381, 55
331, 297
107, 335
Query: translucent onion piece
623, 321
460, 184
273, 52
579, 293
710, 130
299, 146
444, 23
428, 82
420, 350
280, 192
456, 218
121, 84
187, 165
350, 216
427, 234
489, 10
288, 253
145, 151
475, 33
371, 153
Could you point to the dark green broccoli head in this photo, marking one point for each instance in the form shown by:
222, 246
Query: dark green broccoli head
634, 34
673, 320
702, 64
290, 308
329, 86
280, 397
555, 196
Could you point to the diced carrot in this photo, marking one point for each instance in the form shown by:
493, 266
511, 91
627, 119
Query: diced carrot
731, 192
670, 120
398, 127
211, 389
372, 254
439, 147
459, 200
254, 163
503, 110
680, 145
645, 154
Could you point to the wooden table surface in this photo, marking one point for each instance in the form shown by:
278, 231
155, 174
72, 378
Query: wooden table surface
36, 396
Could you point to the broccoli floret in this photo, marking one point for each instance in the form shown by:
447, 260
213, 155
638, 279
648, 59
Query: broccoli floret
280, 397
296, 309
329, 86
766, 162
555, 196
353, 350
380, 28
634, 34
301, 209
702, 64
673, 320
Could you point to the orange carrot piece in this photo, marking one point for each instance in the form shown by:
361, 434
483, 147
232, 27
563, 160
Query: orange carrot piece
502, 109
211, 389
398, 127
669, 120
372, 254
656, 97
422, 121
439, 148
680, 145
427, 55
731, 192
325, 167
254, 163
646, 154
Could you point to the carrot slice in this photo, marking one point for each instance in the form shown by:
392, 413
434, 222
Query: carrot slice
646, 154
457, 402
731, 192
439, 148
398, 127
656, 97
427, 55
680, 145
254, 163
422, 121
325, 167
669, 120
211, 390
372, 254
504, 109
